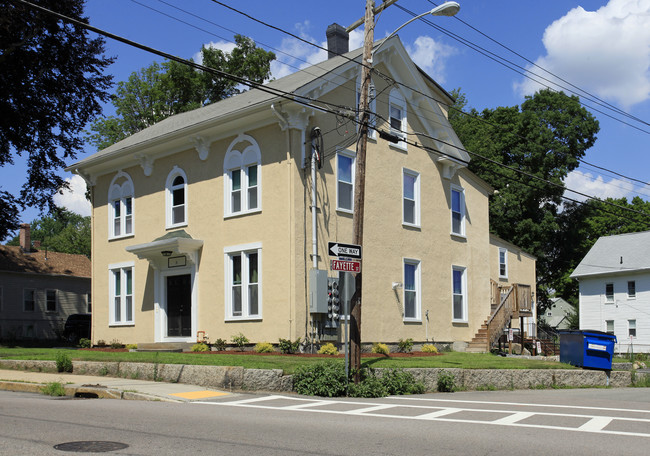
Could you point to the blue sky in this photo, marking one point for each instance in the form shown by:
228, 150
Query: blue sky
599, 46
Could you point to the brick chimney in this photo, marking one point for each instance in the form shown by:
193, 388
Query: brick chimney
337, 40
25, 237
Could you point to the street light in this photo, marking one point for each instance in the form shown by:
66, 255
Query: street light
446, 9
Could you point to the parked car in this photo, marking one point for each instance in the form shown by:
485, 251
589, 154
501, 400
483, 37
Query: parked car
77, 326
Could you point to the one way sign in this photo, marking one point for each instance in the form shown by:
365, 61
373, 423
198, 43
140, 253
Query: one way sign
344, 250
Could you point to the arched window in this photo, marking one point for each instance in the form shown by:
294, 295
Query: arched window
397, 116
372, 98
120, 209
242, 177
176, 198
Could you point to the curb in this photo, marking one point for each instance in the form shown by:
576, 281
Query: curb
83, 391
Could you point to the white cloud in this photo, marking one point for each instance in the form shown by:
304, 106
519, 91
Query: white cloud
606, 52
431, 56
74, 199
597, 186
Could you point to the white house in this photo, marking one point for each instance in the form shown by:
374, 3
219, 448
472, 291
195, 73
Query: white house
614, 281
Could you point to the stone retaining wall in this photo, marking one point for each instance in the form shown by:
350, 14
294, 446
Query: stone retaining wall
241, 379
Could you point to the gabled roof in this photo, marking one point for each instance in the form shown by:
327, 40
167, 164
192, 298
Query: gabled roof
617, 254
13, 259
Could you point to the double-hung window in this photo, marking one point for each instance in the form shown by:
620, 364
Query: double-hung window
243, 281
609, 326
50, 300
242, 178
120, 196
176, 196
631, 289
345, 181
410, 198
121, 294
631, 328
457, 211
503, 263
29, 300
459, 294
412, 298
397, 116
609, 292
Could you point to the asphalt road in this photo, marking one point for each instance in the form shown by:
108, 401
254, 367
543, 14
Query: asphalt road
565, 422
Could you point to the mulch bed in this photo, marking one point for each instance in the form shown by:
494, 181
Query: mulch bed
299, 355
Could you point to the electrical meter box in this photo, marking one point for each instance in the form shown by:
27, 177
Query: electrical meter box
317, 291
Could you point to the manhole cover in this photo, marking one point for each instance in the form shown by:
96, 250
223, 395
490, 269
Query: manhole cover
90, 446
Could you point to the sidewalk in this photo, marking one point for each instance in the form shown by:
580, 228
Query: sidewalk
106, 387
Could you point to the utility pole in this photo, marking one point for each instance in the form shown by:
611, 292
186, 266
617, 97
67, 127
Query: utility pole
360, 184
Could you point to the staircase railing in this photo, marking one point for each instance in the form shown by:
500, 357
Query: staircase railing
501, 316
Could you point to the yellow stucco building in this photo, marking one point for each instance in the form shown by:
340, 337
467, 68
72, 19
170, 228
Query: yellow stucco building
203, 222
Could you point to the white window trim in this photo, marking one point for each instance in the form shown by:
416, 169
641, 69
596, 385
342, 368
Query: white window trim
418, 290
56, 301
505, 262
372, 133
169, 198
416, 196
607, 300
461, 190
629, 296
111, 288
34, 297
228, 252
613, 326
121, 193
236, 160
345, 153
397, 99
464, 318
630, 327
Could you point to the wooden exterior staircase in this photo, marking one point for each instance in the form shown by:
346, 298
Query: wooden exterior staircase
514, 301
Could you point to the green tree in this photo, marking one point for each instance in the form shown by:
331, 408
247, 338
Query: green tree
51, 86
162, 90
545, 137
61, 231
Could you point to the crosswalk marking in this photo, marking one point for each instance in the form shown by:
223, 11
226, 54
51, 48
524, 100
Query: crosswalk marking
514, 418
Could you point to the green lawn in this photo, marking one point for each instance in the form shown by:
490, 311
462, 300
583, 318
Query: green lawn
287, 363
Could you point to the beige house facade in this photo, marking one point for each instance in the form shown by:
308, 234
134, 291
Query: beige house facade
202, 223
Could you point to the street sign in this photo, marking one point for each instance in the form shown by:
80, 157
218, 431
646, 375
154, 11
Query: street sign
346, 266
344, 250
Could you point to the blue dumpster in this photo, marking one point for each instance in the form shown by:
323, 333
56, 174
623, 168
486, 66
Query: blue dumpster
590, 349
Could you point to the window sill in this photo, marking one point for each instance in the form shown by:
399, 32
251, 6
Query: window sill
411, 225
232, 319
125, 236
398, 146
130, 323
503, 277
345, 211
412, 320
174, 227
459, 322
241, 213
459, 236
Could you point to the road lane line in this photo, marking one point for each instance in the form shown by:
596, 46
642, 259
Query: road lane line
515, 417
597, 423
365, 410
438, 414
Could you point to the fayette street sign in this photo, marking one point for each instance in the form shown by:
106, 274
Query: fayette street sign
344, 250
346, 266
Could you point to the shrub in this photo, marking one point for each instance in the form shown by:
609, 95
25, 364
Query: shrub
429, 348
446, 382
263, 347
200, 347
116, 344
328, 349
240, 340
398, 381
63, 362
287, 347
220, 344
132, 346
320, 379
101, 343
53, 389
84, 343
405, 345
382, 349
369, 386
